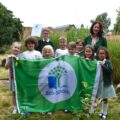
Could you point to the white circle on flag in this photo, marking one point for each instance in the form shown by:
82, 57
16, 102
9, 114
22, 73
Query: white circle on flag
57, 81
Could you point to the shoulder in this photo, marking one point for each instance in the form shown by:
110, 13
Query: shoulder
103, 38
88, 37
107, 61
88, 40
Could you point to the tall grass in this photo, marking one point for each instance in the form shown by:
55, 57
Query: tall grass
114, 48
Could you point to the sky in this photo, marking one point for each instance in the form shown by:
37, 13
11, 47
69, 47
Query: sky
56, 13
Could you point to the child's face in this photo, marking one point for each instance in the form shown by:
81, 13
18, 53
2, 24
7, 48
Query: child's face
47, 53
71, 51
79, 46
88, 52
16, 49
45, 35
30, 46
63, 43
101, 54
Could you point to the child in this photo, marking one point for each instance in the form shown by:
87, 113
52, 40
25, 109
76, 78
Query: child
62, 50
89, 52
47, 51
31, 53
15, 53
45, 34
72, 48
80, 48
108, 89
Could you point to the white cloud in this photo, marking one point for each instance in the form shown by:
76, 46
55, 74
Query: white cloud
60, 12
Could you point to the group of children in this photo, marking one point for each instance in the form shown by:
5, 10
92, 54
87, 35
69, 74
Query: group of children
72, 48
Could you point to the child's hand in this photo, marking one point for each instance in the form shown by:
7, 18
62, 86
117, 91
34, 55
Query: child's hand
95, 105
101, 63
12, 56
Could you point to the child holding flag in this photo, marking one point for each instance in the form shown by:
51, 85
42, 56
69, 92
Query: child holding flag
108, 89
9, 64
48, 52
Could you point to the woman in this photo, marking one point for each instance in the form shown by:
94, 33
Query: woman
96, 38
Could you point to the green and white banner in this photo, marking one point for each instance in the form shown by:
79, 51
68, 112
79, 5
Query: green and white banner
52, 84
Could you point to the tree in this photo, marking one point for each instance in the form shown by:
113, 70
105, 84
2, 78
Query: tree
11, 27
116, 29
106, 22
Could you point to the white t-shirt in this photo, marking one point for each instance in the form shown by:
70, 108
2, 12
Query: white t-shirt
31, 54
60, 52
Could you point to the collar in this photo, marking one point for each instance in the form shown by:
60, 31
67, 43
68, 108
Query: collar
46, 40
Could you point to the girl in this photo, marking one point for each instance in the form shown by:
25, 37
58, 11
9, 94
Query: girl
31, 53
63, 49
15, 53
89, 52
47, 51
80, 48
108, 89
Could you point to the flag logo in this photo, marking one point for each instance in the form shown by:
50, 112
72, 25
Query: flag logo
57, 80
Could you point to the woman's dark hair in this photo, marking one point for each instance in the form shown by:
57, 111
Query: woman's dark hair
32, 40
106, 52
101, 28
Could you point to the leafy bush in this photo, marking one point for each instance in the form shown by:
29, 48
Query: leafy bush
11, 27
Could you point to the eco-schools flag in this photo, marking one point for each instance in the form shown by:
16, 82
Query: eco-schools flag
52, 84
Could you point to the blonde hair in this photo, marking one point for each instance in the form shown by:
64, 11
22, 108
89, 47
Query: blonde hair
16, 43
48, 47
72, 44
63, 38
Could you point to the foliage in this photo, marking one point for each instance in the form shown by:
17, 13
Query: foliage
103, 18
116, 29
55, 38
85, 99
11, 27
113, 46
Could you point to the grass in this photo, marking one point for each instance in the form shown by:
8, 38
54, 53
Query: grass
3, 72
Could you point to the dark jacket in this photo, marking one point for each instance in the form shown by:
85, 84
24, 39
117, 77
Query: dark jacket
107, 73
101, 43
42, 43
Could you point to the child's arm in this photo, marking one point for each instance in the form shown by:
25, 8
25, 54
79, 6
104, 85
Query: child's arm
9, 60
107, 67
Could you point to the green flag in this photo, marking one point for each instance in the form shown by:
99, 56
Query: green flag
52, 84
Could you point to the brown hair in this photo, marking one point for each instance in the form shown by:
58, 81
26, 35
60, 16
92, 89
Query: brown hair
45, 29
32, 40
106, 52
